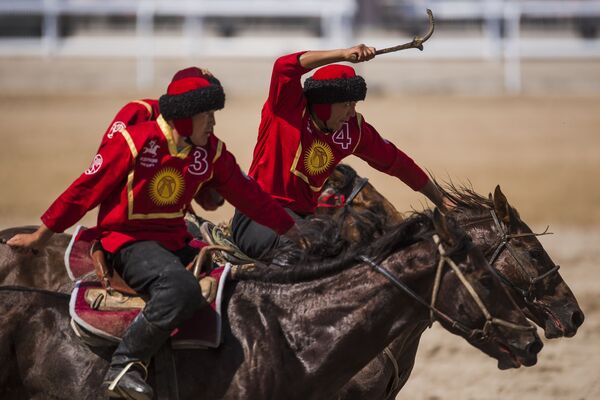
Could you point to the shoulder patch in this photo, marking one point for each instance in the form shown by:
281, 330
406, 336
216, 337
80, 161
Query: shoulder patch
95, 165
114, 128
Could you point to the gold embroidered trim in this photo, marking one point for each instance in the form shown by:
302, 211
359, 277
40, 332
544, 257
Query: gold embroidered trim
130, 143
168, 132
142, 102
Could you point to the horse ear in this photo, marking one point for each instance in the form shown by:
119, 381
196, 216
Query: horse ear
501, 205
441, 226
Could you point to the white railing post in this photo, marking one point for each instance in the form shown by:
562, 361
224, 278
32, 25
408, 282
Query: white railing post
193, 32
512, 53
492, 27
50, 34
337, 24
145, 48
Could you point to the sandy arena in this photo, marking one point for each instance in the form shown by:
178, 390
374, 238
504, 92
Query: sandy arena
544, 150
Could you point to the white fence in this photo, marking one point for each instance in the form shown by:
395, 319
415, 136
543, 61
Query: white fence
336, 26
512, 47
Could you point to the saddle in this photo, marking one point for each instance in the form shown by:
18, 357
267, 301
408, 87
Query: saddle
102, 305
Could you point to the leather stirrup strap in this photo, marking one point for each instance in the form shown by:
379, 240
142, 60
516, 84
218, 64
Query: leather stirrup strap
110, 279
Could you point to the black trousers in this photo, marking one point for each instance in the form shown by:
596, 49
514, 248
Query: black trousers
256, 240
171, 292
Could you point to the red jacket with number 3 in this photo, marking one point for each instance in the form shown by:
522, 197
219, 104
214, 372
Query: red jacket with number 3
138, 111
143, 184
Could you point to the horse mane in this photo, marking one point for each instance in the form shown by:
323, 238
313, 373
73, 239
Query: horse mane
322, 251
463, 195
295, 264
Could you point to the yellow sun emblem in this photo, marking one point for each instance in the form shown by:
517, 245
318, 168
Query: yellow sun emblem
318, 158
166, 187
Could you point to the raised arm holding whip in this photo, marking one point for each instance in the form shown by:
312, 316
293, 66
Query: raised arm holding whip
305, 132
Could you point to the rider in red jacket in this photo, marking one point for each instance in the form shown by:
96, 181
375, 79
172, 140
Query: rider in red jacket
305, 132
138, 111
143, 178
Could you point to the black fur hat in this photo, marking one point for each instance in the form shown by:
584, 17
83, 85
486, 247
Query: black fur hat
335, 84
190, 96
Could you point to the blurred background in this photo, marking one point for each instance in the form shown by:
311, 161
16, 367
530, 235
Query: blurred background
483, 46
505, 92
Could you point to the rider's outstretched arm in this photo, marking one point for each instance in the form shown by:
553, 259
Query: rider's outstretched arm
356, 54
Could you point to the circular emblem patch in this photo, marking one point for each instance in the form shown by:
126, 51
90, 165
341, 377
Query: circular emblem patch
319, 158
166, 187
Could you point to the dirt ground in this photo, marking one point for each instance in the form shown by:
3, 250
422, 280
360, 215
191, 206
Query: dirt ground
543, 150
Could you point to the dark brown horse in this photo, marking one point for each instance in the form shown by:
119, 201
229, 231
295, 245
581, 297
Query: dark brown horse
496, 228
301, 331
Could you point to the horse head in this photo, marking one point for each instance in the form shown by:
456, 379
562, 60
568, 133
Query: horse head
429, 258
548, 299
519, 260
524, 266
473, 302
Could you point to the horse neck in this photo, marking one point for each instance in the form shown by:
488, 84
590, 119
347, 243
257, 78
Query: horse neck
348, 318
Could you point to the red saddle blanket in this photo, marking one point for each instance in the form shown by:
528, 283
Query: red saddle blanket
203, 330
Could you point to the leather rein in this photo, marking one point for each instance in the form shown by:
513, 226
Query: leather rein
504, 243
435, 313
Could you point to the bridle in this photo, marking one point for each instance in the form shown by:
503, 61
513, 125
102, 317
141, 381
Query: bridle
359, 184
435, 313
504, 243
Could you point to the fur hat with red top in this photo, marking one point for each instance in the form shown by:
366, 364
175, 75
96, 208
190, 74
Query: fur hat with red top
190, 93
334, 83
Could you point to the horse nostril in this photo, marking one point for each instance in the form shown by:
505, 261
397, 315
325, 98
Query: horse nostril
534, 347
577, 319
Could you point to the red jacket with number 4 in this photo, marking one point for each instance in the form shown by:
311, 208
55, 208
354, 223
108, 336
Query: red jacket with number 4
143, 183
293, 158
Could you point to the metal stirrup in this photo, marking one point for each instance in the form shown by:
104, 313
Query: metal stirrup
115, 382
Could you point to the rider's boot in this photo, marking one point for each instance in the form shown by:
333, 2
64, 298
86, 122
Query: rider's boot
126, 376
